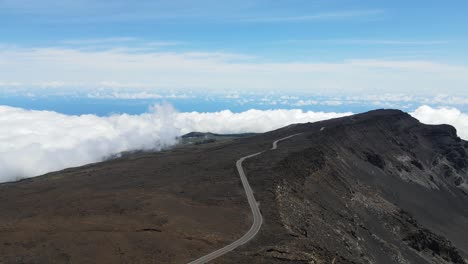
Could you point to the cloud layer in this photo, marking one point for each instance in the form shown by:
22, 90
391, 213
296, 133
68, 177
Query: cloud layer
37, 142
156, 69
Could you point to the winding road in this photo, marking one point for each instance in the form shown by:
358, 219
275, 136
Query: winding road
257, 216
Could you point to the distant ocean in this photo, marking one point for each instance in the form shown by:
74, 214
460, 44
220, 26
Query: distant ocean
106, 106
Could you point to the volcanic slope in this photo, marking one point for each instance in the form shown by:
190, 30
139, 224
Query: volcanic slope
377, 187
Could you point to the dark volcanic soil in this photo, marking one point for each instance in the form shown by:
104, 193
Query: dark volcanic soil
167, 207
373, 188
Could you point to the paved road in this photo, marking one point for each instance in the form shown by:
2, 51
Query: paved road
257, 216
275, 144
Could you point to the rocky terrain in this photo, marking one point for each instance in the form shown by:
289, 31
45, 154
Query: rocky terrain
373, 188
378, 187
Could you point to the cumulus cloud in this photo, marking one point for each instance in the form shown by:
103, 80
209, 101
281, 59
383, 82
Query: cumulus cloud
37, 142
248, 121
443, 115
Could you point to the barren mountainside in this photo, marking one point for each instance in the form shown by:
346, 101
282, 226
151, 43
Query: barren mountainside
373, 188
377, 187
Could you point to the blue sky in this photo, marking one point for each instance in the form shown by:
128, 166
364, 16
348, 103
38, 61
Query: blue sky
104, 70
328, 30
349, 28
330, 47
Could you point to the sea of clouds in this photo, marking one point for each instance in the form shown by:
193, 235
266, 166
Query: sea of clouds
36, 142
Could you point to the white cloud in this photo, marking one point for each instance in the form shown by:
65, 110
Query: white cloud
422, 66
113, 84
36, 142
318, 17
10, 84
443, 115
232, 96
288, 97
383, 97
446, 100
248, 121
125, 95
397, 100
98, 41
334, 102
305, 102
177, 96
391, 42
219, 71
129, 44
51, 84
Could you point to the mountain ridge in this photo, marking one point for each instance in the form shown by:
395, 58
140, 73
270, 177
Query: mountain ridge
376, 164
377, 187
